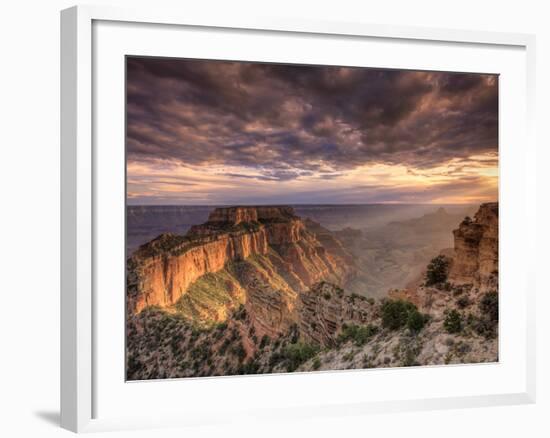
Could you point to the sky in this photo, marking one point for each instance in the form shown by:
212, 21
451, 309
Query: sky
203, 132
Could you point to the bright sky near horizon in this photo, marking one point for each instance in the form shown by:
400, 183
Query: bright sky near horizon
217, 132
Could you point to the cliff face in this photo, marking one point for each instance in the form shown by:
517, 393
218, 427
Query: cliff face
162, 271
164, 277
475, 259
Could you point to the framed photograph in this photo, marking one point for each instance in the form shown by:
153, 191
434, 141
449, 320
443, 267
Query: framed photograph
262, 207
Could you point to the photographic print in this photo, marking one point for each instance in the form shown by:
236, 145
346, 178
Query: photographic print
302, 218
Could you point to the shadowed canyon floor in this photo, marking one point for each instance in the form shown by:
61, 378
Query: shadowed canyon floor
263, 290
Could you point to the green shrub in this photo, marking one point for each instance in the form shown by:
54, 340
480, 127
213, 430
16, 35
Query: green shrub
221, 326
484, 327
294, 333
437, 271
462, 348
316, 363
487, 322
239, 351
399, 313
409, 357
250, 367
241, 314
296, 354
367, 362
453, 322
463, 302
265, 341
275, 358
358, 334
395, 313
416, 321
488, 306
224, 346
133, 366
349, 356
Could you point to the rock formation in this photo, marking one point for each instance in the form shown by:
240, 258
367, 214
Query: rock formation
472, 262
475, 259
236, 215
162, 271
325, 308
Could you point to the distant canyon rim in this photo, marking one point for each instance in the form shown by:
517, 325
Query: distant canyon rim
393, 249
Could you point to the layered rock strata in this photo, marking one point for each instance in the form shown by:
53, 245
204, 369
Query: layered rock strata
162, 271
325, 308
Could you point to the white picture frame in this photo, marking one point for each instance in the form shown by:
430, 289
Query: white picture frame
82, 191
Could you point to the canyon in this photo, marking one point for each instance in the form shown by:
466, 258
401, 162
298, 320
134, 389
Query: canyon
261, 290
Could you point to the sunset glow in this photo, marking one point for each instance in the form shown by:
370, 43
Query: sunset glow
206, 132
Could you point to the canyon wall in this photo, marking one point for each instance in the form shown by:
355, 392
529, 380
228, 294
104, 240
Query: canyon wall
161, 271
475, 259
162, 278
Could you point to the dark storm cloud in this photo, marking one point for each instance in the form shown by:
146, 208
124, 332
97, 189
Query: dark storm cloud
291, 121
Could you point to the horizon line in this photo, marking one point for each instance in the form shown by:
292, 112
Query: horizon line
307, 204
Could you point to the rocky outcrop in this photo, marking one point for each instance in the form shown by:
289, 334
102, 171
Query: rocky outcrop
475, 259
472, 263
325, 308
161, 271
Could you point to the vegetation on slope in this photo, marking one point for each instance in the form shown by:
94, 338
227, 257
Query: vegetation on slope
168, 344
208, 298
437, 271
399, 313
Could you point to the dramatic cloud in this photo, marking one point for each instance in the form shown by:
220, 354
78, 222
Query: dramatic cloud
212, 131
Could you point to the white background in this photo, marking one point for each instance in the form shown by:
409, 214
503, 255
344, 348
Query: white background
29, 180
